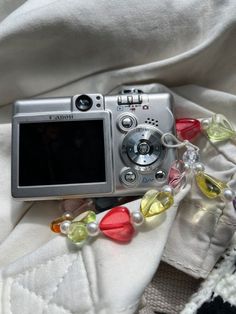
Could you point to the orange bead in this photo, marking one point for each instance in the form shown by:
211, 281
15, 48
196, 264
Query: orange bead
55, 227
55, 224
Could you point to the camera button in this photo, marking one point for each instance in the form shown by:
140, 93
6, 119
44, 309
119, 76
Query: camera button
130, 177
160, 175
144, 148
127, 122
130, 99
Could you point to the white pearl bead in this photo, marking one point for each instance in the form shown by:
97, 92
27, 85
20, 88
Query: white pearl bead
205, 124
198, 166
68, 215
228, 195
64, 226
92, 229
137, 218
167, 189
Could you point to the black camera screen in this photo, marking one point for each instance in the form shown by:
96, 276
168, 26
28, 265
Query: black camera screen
61, 153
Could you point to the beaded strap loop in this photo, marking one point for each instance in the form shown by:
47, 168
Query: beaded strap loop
119, 224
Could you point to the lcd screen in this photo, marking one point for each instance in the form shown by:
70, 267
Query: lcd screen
56, 153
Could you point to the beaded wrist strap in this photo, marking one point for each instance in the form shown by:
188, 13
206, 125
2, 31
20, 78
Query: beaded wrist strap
217, 129
119, 224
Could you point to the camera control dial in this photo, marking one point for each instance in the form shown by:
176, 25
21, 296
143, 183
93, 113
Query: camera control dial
142, 148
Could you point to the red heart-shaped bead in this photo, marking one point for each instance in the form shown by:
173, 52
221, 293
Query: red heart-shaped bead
116, 224
187, 129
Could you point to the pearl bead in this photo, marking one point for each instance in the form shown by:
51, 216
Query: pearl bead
64, 226
205, 124
137, 218
198, 167
228, 195
92, 229
168, 189
68, 215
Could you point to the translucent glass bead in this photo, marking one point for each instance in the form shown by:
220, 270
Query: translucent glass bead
220, 129
55, 224
116, 224
154, 202
77, 232
86, 217
209, 186
177, 175
191, 156
187, 129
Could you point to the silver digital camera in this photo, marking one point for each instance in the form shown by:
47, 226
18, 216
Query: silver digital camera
90, 145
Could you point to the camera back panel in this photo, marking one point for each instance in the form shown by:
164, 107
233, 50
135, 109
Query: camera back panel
141, 161
90, 145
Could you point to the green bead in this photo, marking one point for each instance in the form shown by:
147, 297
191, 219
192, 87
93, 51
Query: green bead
154, 202
210, 186
86, 217
220, 129
77, 232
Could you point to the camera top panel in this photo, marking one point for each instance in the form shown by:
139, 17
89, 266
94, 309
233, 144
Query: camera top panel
81, 103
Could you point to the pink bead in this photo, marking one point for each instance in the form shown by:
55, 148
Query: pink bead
187, 129
177, 175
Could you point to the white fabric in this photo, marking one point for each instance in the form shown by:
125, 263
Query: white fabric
99, 278
54, 48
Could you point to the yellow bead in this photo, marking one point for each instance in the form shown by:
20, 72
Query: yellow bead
154, 202
77, 232
220, 129
210, 186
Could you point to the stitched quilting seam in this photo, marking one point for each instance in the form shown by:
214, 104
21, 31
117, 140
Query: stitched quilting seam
41, 298
30, 269
196, 270
88, 282
46, 302
62, 278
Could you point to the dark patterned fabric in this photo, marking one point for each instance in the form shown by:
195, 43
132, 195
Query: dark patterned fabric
217, 306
